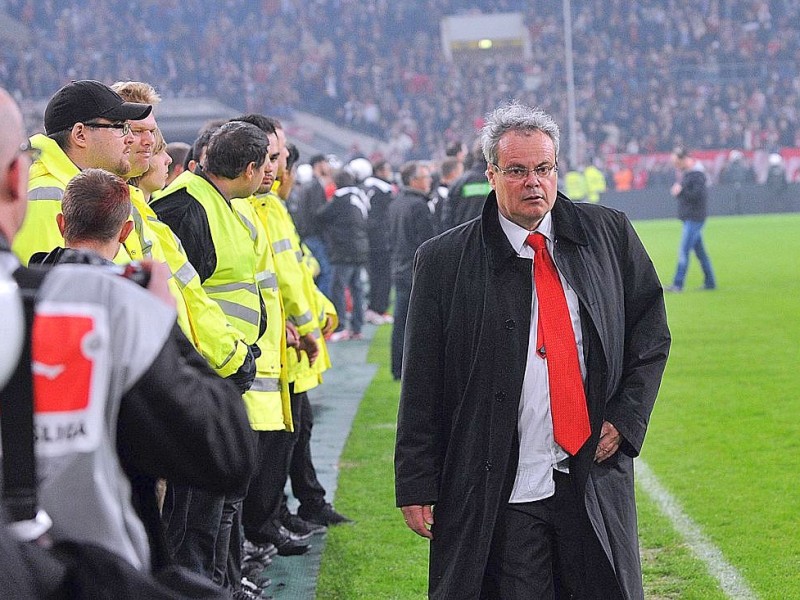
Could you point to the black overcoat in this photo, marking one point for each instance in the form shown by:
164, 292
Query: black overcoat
465, 349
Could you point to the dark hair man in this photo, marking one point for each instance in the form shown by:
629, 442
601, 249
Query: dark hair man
411, 223
528, 385
219, 242
692, 195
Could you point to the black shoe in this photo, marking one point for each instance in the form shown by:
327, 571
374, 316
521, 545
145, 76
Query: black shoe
297, 524
290, 544
324, 515
258, 552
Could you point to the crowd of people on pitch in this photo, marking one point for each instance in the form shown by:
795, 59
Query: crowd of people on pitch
644, 73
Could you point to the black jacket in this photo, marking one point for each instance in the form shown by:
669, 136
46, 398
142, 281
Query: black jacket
465, 200
463, 368
411, 224
343, 222
380, 194
312, 199
693, 199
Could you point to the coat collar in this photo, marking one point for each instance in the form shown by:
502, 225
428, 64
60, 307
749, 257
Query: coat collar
567, 227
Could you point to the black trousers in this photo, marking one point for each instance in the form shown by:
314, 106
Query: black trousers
402, 295
305, 484
380, 280
261, 506
548, 550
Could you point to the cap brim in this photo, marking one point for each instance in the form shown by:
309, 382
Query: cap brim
128, 111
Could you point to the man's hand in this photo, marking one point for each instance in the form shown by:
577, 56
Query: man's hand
327, 328
309, 345
610, 439
419, 519
292, 337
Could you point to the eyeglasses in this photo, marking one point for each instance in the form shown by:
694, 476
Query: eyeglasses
520, 173
124, 128
26, 148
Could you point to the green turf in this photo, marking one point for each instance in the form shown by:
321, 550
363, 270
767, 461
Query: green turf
725, 433
723, 439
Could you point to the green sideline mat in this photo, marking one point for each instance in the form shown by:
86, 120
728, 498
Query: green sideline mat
334, 405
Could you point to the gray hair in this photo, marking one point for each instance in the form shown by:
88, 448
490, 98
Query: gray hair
514, 116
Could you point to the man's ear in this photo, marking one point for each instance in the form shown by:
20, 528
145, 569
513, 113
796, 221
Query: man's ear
77, 135
16, 181
60, 221
125, 231
490, 175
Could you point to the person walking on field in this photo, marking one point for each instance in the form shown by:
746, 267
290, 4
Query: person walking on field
692, 194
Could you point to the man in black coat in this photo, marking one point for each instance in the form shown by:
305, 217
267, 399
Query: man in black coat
410, 224
516, 514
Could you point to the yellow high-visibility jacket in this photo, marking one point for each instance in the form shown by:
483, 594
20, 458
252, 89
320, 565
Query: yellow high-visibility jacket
267, 401
297, 288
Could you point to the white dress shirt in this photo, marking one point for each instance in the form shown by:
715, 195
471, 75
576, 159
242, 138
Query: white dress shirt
539, 454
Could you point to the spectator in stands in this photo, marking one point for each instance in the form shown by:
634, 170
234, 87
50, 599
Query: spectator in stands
411, 224
692, 195
380, 192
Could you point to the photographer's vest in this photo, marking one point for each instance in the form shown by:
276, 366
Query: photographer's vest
88, 350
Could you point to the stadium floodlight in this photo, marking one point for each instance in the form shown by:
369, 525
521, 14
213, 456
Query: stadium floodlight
466, 34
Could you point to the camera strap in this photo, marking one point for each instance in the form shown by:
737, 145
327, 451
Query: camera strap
16, 414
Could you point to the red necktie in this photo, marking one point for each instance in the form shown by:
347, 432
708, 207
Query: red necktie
556, 342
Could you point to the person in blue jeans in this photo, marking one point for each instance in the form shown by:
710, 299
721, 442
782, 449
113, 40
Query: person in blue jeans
343, 222
692, 194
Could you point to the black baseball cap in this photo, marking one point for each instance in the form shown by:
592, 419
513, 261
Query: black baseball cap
82, 101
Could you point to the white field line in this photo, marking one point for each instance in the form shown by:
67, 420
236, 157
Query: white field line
729, 578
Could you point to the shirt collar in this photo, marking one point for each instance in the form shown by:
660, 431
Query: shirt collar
517, 235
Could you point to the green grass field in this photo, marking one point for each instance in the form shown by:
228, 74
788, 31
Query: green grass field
724, 438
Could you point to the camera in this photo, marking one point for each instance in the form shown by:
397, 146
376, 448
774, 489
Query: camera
136, 272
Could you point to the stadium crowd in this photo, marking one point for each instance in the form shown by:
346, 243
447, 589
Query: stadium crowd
645, 72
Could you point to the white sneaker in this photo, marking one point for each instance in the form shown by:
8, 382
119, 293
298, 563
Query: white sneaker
370, 316
387, 318
339, 336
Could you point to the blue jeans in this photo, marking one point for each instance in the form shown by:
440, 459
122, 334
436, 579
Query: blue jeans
692, 239
348, 276
317, 247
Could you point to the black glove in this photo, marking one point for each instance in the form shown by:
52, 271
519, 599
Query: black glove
244, 376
